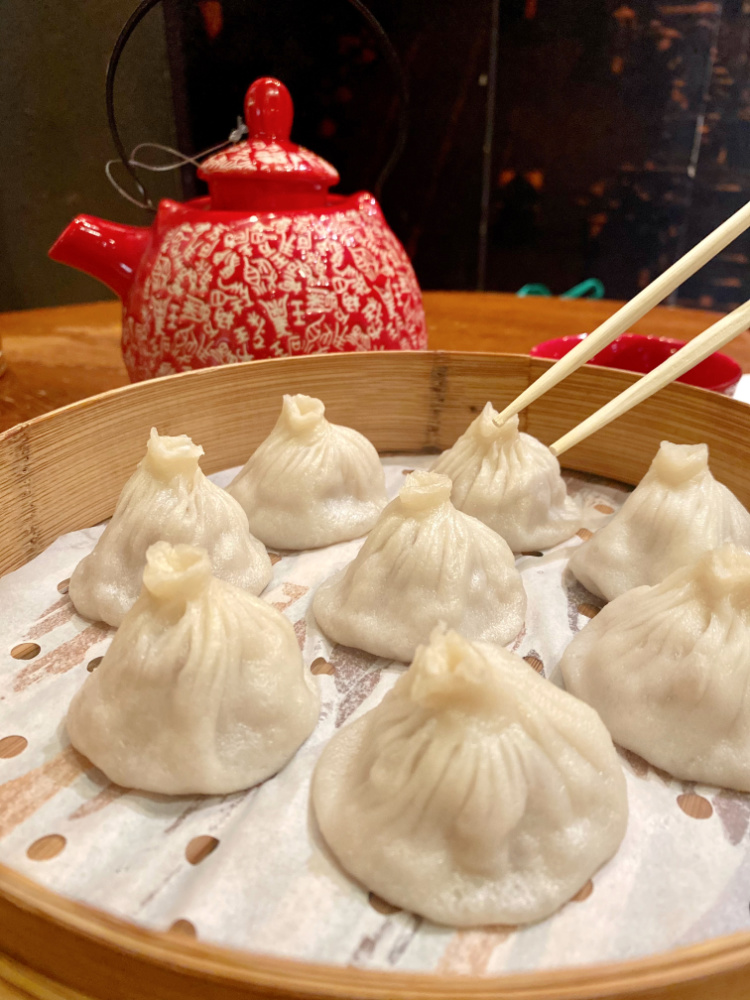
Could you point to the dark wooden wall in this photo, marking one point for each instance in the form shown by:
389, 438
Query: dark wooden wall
619, 135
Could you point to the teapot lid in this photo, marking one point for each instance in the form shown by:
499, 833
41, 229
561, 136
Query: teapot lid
267, 172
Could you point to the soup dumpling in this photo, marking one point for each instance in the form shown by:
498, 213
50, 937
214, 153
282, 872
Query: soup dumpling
668, 669
511, 482
475, 793
310, 483
677, 512
203, 689
169, 499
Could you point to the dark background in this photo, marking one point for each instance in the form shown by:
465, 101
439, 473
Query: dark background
619, 134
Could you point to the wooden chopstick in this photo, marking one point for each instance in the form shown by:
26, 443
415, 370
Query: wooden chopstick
633, 310
716, 336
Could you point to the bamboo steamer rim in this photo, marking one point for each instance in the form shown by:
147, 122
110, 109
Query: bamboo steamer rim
52, 947
215, 964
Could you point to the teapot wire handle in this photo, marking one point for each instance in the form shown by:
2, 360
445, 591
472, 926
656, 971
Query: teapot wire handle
387, 49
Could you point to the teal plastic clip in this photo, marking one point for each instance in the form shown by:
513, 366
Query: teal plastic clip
591, 288
533, 289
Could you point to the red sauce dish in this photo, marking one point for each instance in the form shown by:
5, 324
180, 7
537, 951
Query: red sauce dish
636, 353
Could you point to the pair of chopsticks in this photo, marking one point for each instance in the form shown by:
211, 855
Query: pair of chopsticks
712, 339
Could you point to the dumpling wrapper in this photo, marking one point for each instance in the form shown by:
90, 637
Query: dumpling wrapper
511, 482
310, 483
668, 670
202, 690
423, 563
166, 499
476, 792
677, 512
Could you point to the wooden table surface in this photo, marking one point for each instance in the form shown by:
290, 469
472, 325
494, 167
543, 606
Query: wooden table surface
56, 356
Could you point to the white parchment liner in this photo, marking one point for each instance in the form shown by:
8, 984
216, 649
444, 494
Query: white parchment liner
248, 870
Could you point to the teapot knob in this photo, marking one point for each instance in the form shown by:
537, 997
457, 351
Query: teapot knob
268, 109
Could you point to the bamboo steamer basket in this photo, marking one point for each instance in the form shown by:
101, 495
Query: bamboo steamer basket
64, 471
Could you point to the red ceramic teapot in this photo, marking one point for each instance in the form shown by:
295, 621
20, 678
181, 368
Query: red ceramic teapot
270, 263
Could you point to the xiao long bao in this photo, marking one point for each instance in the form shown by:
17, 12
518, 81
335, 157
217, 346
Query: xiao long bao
475, 793
423, 563
668, 670
677, 512
166, 499
310, 483
511, 482
203, 689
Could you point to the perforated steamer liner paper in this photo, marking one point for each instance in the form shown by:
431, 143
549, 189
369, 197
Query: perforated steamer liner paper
249, 870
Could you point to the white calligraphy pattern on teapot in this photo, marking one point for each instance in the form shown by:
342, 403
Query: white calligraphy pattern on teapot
264, 156
300, 283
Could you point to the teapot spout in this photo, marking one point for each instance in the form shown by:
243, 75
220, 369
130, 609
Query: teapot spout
108, 251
